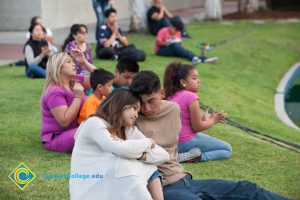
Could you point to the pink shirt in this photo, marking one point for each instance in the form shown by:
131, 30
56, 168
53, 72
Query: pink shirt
184, 99
53, 97
164, 35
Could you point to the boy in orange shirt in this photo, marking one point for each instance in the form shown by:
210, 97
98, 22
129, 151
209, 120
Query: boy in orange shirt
101, 82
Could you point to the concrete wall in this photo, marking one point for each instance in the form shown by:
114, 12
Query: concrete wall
15, 15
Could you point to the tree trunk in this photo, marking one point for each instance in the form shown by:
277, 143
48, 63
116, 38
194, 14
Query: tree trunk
248, 5
213, 9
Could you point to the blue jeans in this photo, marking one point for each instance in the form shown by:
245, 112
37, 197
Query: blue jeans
99, 9
213, 189
35, 71
164, 22
176, 50
211, 148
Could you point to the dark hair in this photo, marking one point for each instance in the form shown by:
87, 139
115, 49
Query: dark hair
75, 28
100, 76
33, 20
173, 74
127, 64
176, 23
109, 11
145, 82
31, 28
111, 110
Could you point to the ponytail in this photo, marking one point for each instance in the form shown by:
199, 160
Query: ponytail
173, 75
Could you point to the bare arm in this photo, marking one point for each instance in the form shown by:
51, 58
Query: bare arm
168, 13
107, 43
80, 58
200, 124
65, 115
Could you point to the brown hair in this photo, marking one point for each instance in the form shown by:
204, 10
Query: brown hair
173, 74
111, 110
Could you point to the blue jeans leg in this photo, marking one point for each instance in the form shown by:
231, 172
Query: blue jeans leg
176, 50
211, 148
189, 189
99, 9
163, 22
35, 71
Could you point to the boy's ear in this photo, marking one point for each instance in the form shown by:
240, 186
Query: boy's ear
117, 72
162, 93
99, 87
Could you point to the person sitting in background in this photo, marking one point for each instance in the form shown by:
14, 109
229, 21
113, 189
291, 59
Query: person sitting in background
101, 83
48, 33
125, 71
181, 84
169, 43
111, 42
62, 99
36, 52
159, 17
77, 39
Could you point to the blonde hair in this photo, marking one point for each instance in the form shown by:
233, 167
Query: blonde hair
53, 71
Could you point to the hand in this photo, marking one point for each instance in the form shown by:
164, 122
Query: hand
78, 89
78, 56
46, 51
207, 115
115, 28
218, 117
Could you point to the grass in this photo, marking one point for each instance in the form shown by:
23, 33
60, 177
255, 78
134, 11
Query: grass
242, 83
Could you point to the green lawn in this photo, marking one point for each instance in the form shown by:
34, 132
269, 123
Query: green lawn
242, 83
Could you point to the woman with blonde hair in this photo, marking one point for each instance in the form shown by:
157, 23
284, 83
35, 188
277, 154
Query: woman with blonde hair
62, 99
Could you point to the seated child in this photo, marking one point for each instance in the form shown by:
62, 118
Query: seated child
169, 43
101, 82
125, 71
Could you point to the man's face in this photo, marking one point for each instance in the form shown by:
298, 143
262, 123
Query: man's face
111, 19
124, 78
151, 103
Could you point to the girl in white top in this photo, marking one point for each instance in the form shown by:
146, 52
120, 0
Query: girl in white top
112, 157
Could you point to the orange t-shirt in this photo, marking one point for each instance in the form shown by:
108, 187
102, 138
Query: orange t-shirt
89, 107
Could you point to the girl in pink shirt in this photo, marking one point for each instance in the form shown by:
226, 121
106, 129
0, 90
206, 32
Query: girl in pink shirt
181, 84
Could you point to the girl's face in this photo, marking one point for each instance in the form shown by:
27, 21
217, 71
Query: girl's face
130, 114
68, 68
81, 35
192, 81
37, 33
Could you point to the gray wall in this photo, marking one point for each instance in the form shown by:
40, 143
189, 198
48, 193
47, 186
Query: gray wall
15, 15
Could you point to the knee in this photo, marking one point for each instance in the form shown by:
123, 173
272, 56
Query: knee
164, 22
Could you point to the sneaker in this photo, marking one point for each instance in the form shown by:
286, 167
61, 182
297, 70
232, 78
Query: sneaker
189, 155
196, 60
211, 60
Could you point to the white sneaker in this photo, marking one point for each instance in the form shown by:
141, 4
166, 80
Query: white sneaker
189, 155
196, 60
211, 60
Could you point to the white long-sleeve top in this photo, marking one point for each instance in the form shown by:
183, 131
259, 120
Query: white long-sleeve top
120, 174
29, 55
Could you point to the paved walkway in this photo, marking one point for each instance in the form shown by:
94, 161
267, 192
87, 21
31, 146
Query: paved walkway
11, 43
